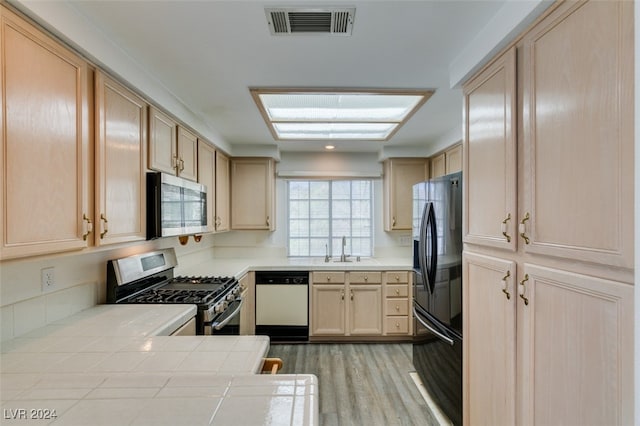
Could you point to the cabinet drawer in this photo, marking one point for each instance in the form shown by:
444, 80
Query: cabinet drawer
397, 277
365, 277
397, 306
397, 290
328, 277
397, 325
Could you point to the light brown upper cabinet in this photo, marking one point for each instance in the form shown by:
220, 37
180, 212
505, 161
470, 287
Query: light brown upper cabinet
438, 165
490, 155
578, 156
213, 171
172, 148
449, 161
453, 157
44, 157
121, 138
223, 192
252, 193
187, 154
400, 174
207, 177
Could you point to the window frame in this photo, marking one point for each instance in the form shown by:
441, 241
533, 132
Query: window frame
330, 239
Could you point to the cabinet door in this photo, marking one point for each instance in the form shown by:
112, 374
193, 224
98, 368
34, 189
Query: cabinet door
489, 155
44, 171
187, 154
438, 165
365, 310
207, 177
578, 134
489, 350
399, 177
121, 138
223, 192
163, 147
252, 193
247, 313
328, 310
575, 345
453, 159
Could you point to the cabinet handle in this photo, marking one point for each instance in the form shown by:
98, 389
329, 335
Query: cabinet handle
328, 278
174, 162
351, 291
393, 221
397, 325
397, 308
522, 228
268, 221
88, 226
522, 289
366, 278
397, 291
397, 278
105, 225
504, 228
181, 164
342, 295
505, 285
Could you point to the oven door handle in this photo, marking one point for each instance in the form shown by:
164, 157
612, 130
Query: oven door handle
431, 328
218, 325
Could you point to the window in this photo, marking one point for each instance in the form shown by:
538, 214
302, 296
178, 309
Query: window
321, 212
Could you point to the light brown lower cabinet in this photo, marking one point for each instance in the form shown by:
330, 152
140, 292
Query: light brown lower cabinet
360, 304
545, 346
247, 312
346, 304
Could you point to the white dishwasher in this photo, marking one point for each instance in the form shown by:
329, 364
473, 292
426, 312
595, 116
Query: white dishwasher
282, 305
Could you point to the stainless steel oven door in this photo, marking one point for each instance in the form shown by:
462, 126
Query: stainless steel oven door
228, 322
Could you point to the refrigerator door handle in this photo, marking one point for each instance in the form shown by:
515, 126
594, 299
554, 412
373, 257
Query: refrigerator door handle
431, 328
422, 255
433, 261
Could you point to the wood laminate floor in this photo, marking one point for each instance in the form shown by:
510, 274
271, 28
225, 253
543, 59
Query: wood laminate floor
360, 383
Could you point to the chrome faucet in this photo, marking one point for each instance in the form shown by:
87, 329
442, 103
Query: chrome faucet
326, 253
343, 257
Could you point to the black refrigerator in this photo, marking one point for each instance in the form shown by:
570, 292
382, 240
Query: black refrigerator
437, 290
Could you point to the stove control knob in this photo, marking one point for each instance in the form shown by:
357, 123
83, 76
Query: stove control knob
230, 296
220, 307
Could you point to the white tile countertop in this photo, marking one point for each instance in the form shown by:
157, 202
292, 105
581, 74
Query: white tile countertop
238, 267
182, 354
119, 321
105, 366
163, 399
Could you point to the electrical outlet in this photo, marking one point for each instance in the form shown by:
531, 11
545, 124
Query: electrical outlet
405, 240
48, 278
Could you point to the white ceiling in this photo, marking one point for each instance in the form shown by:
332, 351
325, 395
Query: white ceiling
208, 54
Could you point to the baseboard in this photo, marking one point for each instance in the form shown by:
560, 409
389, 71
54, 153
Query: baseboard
433, 407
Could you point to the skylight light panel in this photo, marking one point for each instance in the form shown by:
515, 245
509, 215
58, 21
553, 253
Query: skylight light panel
317, 114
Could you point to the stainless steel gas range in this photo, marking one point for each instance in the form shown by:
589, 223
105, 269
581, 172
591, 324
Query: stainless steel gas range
149, 278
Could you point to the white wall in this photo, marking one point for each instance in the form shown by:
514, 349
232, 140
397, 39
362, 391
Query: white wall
80, 282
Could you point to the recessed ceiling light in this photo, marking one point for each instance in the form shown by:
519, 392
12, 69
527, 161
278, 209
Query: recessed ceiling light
329, 147
347, 114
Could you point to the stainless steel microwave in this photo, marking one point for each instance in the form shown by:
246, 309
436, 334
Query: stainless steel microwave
175, 206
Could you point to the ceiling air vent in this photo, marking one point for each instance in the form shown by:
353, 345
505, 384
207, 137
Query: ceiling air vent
310, 21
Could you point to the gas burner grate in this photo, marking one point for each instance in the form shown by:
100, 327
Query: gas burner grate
174, 296
201, 280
